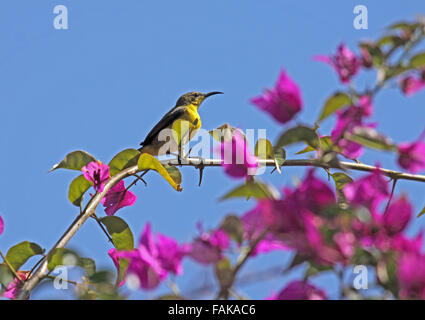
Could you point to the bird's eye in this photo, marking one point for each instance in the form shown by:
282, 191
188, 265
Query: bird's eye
196, 95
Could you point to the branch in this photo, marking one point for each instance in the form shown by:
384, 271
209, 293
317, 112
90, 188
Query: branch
91, 206
193, 162
224, 291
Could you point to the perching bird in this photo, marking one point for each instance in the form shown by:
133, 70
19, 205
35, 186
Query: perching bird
182, 122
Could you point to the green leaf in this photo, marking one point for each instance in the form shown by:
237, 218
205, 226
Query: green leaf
123, 160
418, 60
386, 272
21, 252
314, 269
6, 276
337, 101
395, 70
363, 257
422, 212
341, 179
298, 134
67, 257
392, 40
279, 157
102, 276
233, 226
148, 162
88, 265
375, 52
251, 189
62, 257
120, 232
399, 25
77, 189
103, 287
263, 149
325, 143
122, 238
74, 161
174, 173
223, 272
404, 26
370, 138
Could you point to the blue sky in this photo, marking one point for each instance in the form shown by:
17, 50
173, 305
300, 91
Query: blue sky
103, 83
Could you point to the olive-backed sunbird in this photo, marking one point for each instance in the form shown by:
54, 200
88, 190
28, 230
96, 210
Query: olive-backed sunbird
182, 122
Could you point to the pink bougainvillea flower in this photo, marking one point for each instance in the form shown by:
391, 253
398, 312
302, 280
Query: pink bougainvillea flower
96, 172
345, 63
346, 243
347, 121
238, 162
299, 290
411, 84
314, 193
401, 243
368, 191
254, 226
299, 229
397, 216
113, 253
367, 61
411, 275
282, 102
1, 225
117, 197
12, 289
152, 261
411, 156
171, 254
296, 221
208, 247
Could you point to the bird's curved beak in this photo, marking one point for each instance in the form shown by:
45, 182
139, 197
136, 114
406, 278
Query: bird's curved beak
209, 94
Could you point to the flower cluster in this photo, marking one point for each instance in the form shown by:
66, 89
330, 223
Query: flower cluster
152, 260
308, 220
345, 63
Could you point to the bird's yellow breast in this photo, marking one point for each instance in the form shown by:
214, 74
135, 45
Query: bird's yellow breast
190, 121
192, 116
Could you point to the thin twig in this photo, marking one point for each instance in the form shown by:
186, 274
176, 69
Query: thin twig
102, 227
224, 291
36, 265
391, 196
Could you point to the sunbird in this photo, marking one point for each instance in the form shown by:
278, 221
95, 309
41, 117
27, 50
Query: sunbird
182, 122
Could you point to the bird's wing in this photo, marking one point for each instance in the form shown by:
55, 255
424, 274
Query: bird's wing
166, 121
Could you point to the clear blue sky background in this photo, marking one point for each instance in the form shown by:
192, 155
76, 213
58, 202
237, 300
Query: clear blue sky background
102, 84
